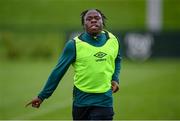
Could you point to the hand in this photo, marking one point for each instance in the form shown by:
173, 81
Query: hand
36, 102
114, 86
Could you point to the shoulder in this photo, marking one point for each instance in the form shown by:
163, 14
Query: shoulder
110, 35
70, 42
70, 45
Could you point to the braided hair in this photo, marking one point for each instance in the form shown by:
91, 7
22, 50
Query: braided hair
102, 15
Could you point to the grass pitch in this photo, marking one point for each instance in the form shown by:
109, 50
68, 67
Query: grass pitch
148, 90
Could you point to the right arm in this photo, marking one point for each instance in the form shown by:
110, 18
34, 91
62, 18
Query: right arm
65, 60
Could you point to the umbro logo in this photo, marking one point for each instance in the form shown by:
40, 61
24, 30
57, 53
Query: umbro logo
100, 54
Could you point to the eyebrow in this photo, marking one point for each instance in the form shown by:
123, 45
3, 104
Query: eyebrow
93, 15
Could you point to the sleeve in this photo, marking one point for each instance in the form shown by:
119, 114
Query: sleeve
118, 59
65, 60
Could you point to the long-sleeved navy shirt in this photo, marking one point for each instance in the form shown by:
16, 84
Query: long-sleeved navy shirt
68, 56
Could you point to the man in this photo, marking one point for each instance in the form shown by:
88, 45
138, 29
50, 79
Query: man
95, 56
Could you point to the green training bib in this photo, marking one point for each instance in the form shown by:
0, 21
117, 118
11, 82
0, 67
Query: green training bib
94, 66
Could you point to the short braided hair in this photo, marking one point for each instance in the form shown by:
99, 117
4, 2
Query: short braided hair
102, 15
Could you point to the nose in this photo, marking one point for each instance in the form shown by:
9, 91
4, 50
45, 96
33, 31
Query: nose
93, 20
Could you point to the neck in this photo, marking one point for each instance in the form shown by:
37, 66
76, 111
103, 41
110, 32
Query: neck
93, 34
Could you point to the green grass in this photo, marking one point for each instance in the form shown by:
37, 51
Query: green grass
148, 90
65, 14
171, 14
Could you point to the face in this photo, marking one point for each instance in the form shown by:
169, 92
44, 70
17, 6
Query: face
93, 23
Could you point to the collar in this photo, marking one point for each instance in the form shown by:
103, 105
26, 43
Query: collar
97, 37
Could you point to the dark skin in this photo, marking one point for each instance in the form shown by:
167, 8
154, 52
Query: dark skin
93, 24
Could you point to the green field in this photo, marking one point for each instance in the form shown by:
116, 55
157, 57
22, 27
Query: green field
148, 90
65, 14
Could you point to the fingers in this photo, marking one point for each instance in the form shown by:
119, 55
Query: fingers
115, 89
114, 86
28, 104
35, 103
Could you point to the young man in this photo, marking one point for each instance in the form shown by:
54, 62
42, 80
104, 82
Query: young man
95, 56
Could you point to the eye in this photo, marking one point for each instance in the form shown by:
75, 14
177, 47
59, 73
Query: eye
88, 18
97, 17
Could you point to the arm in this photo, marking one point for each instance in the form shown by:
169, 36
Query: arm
115, 77
65, 60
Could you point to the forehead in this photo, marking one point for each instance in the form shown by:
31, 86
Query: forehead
92, 13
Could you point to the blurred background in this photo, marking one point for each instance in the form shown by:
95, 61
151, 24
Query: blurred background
34, 32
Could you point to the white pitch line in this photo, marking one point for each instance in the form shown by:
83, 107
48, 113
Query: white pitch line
49, 109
